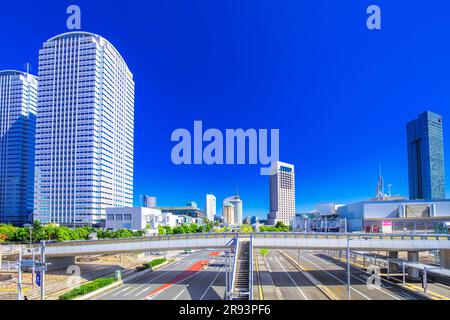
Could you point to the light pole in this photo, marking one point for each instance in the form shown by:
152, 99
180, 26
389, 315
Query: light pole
348, 267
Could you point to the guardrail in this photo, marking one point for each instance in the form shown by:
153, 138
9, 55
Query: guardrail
233, 270
322, 235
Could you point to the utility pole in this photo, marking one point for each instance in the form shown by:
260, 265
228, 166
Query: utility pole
348, 268
404, 276
19, 277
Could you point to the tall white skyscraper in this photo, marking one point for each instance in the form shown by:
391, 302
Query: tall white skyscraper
282, 193
210, 207
85, 130
18, 100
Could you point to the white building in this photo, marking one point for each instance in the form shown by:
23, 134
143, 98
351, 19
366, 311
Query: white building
282, 193
397, 215
138, 218
85, 130
18, 100
327, 208
210, 207
237, 210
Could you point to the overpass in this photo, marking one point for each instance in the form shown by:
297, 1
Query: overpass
269, 240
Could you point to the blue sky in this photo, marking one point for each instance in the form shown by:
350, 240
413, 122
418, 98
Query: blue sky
339, 93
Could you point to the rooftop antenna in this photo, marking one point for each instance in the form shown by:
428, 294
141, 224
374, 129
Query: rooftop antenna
28, 67
237, 190
389, 190
380, 186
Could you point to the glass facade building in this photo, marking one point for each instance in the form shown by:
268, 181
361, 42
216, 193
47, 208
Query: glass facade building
426, 157
84, 131
18, 100
282, 193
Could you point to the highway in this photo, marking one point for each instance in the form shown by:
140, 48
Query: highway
199, 275
327, 273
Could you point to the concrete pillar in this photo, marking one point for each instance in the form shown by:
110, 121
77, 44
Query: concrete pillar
445, 258
393, 266
413, 273
59, 262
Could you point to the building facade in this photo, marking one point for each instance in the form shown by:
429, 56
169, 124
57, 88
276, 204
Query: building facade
18, 101
236, 202
282, 193
210, 207
228, 213
84, 131
148, 201
138, 218
397, 216
426, 157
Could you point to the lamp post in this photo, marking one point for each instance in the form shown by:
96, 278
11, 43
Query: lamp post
348, 268
30, 228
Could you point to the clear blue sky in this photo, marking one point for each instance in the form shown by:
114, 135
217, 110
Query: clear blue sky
339, 93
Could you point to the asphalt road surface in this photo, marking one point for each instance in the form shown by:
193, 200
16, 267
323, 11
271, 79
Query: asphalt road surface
199, 275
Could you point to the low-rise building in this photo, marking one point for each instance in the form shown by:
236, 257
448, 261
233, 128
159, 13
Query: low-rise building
397, 216
138, 218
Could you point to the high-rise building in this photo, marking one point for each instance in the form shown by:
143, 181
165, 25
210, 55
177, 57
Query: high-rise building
236, 202
18, 100
148, 201
84, 130
210, 207
228, 213
426, 157
282, 193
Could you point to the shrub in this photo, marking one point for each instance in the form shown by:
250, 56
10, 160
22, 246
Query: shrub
86, 288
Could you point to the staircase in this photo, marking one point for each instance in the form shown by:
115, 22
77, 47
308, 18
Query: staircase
241, 282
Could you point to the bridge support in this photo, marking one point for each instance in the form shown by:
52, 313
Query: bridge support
413, 273
393, 266
445, 258
57, 263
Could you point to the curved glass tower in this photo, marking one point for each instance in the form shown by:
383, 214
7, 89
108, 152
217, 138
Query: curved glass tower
85, 129
18, 99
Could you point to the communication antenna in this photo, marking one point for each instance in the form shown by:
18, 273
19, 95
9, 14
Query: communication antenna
28, 67
389, 190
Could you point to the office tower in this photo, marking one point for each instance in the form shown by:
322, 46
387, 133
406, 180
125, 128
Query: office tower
426, 157
18, 100
282, 193
236, 202
228, 213
148, 201
210, 207
84, 130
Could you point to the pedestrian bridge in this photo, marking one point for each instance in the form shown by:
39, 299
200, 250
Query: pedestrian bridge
269, 240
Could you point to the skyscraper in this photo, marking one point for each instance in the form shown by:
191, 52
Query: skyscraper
18, 100
84, 132
148, 201
236, 202
228, 213
426, 157
210, 207
282, 193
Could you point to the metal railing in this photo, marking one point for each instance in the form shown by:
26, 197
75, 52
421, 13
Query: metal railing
365, 236
233, 270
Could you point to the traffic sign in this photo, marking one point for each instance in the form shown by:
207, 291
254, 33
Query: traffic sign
38, 279
27, 263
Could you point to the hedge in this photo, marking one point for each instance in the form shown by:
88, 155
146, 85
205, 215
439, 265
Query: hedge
151, 264
87, 288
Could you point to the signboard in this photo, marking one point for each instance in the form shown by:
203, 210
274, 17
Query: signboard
27, 263
38, 279
386, 226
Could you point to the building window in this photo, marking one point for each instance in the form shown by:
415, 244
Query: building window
118, 217
110, 217
127, 217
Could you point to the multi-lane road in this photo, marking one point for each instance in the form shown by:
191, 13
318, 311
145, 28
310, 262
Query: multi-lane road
278, 275
317, 276
199, 275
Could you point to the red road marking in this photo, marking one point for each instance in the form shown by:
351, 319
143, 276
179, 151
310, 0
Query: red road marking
214, 254
196, 267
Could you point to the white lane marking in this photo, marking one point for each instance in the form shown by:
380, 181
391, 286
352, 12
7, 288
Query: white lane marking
178, 294
362, 294
376, 287
282, 267
201, 298
157, 293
